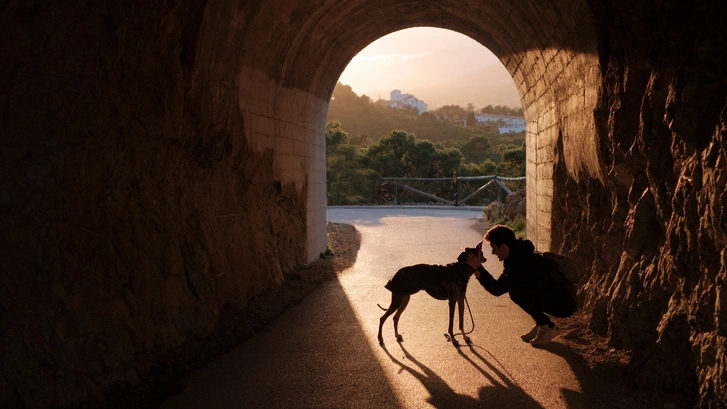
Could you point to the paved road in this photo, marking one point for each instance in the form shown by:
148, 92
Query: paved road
323, 353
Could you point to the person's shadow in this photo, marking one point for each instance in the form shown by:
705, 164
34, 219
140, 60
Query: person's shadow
502, 393
606, 386
609, 385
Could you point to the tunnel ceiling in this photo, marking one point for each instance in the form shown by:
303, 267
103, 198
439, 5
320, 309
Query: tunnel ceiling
291, 54
329, 34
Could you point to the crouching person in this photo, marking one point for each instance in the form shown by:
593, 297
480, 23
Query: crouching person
530, 280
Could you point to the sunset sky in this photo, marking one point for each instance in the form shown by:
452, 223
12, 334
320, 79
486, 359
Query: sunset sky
440, 67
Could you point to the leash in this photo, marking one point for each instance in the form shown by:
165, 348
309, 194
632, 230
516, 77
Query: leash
471, 319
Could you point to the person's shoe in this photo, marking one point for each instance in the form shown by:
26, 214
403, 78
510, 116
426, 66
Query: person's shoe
544, 336
530, 335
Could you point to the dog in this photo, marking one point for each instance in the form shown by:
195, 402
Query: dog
441, 282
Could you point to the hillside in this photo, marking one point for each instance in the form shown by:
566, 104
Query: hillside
367, 121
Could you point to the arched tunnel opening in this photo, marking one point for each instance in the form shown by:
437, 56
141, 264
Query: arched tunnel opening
447, 110
162, 162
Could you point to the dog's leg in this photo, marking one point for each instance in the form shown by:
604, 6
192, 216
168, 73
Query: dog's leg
452, 301
404, 303
396, 301
460, 304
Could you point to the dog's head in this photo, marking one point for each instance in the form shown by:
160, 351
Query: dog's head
477, 250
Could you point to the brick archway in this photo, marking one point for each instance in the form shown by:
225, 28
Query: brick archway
297, 53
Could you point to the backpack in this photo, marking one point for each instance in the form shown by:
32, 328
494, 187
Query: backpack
564, 271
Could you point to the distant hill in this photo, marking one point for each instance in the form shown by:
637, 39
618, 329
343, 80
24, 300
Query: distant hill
361, 118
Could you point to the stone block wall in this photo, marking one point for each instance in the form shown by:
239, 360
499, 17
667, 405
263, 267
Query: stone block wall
559, 84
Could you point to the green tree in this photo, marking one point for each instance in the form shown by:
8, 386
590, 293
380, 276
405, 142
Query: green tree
502, 110
513, 163
452, 113
368, 149
362, 139
347, 182
335, 135
470, 115
401, 155
475, 150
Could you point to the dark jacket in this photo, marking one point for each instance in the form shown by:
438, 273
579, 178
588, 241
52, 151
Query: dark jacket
525, 272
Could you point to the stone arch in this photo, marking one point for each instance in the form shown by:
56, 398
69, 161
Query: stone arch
163, 162
550, 51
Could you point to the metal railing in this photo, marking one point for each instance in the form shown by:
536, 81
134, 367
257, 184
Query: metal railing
497, 180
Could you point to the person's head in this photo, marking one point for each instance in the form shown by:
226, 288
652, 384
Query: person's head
501, 239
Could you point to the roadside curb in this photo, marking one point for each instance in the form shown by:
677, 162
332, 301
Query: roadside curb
424, 207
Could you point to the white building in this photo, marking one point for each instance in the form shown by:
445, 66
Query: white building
506, 123
399, 100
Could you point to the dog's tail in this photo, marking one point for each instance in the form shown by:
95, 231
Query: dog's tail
381, 306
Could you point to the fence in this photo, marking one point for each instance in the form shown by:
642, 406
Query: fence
497, 180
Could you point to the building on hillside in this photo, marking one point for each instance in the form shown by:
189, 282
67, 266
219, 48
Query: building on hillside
505, 123
399, 100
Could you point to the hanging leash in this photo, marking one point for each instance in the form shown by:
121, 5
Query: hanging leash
471, 319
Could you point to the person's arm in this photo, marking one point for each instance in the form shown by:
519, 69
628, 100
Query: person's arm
495, 287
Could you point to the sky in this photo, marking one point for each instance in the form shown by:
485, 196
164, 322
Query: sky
440, 67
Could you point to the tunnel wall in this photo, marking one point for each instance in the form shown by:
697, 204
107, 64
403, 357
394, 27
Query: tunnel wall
559, 82
153, 174
653, 233
161, 163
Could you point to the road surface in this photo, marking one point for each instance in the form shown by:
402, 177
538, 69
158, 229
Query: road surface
323, 353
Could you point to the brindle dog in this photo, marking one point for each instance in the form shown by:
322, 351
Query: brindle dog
441, 282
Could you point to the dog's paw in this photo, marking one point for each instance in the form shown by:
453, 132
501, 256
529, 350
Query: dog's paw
399, 338
450, 338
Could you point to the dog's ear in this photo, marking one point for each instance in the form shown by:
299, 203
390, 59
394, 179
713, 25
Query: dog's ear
479, 252
477, 249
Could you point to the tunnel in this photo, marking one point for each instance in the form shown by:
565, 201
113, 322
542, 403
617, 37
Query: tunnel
161, 161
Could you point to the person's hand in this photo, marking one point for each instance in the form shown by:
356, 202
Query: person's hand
475, 261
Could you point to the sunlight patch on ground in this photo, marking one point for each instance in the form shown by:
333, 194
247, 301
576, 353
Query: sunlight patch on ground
425, 370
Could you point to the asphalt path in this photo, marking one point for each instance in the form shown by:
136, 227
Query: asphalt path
323, 353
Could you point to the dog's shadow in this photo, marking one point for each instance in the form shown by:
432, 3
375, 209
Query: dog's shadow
502, 386
502, 391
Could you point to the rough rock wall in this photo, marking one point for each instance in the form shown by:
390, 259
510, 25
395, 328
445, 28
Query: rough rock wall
656, 230
131, 206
